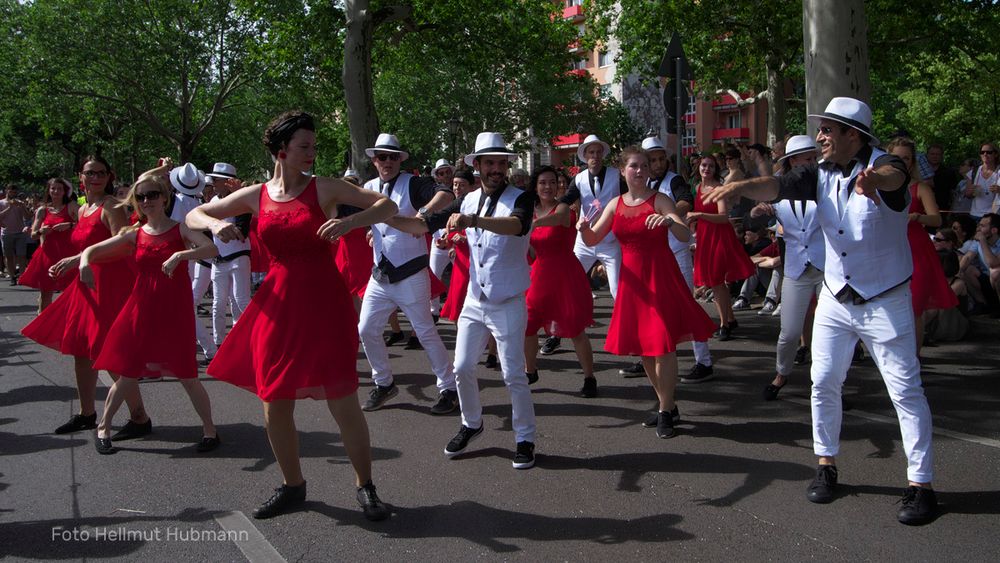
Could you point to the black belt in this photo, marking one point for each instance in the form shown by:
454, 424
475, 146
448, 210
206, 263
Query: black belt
384, 270
231, 257
848, 293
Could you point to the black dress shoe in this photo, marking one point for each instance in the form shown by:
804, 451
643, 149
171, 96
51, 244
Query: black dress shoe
104, 446
134, 430
532, 377
589, 390
394, 337
724, 333
491, 361
284, 499
78, 422
371, 505
771, 391
208, 443
919, 506
824, 485
634, 370
413, 344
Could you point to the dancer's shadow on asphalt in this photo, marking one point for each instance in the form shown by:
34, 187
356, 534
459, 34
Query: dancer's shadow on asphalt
42, 539
242, 441
17, 444
37, 394
633, 467
499, 530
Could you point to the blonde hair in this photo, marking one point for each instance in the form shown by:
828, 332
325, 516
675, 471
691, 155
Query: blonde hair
906, 143
163, 186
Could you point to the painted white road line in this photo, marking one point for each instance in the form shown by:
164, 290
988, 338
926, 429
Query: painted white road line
256, 548
982, 441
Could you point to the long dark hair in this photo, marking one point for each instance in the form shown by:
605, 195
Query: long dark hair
533, 181
67, 188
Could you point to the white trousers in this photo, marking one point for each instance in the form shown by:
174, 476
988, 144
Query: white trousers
230, 287
607, 253
201, 277
795, 298
438, 262
507, 322
885, 324
702, 355
410, 296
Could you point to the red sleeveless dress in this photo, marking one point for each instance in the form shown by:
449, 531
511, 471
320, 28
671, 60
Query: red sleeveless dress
459, 284
929, 287
354, 261
298, 338
558, 299
719, 257
258, 254
153, 335
654, 311
55, 246
78, 320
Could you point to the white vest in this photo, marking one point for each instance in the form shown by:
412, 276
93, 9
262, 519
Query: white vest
803, 238
868, 248
398, 247
233, 246
677, 246
183, 204
609, 190
498, 268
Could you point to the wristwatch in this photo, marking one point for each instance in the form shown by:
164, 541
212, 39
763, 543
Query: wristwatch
423, 212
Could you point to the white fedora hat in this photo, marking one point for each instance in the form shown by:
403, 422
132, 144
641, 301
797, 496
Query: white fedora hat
351, 173
222, 170
853, 113
387, 142
492, 144
442, 163
653, 144
591, 139
797, 145
188, 179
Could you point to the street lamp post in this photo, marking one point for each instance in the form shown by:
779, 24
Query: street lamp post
454, 125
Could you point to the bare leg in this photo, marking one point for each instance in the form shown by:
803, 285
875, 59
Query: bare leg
662, 374
44, 300
394, 322
584, 353
202, 405
354, 432
531, 353
122, 387
279, 420
86, 384
723, 304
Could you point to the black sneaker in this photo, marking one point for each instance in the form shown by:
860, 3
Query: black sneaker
492, 362
824, 485
724, 334
802, 356
134, 430
550, 346
379, 395
524, 457
284, 498
699, 373
413, 344
447, 402
394, 337
634, 370
654, 417
589, 390
665, 425
371, 505
532, 377
461, 440
208, 443
78, 422
919, 506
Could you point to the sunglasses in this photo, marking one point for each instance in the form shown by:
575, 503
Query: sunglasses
148, 196
987, 152
95, 173
936, 239
387, 156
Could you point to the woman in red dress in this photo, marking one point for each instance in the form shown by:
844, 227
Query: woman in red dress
655, 310
77, 322
458, 250
53, 223
558, 298
298, 339
929, 287
153, 335
719, 258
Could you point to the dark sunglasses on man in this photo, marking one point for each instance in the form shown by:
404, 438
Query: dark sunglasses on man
382, 157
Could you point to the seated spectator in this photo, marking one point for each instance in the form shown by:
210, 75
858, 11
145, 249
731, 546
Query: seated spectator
965, 228
980, 268
765, 253
960, 203
948, 325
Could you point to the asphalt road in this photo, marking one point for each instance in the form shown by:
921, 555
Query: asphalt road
730, 487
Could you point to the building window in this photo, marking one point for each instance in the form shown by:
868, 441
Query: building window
604, 59
571, 3
734, 120
688, 141
605, 90
580, 64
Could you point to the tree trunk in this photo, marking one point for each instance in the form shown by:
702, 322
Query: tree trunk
836, 51
357, 78
777, 108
